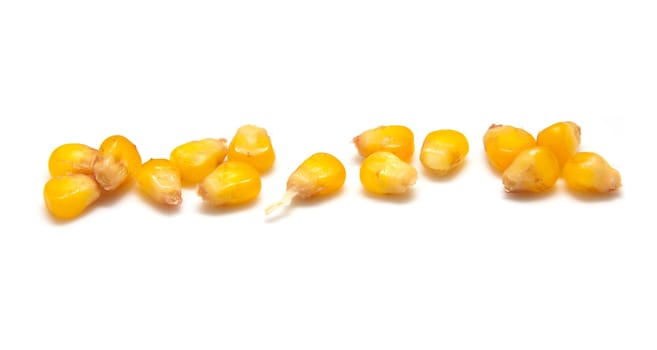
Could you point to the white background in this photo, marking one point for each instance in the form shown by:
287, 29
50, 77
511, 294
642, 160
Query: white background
458, 264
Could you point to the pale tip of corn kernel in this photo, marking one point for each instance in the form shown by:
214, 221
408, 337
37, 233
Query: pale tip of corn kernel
436, 161
286, 200
615, 181
173, 199
109, 173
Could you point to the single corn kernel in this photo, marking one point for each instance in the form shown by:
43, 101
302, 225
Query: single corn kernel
196, 159
443, 150
231, 183
562, 138
118, 161
72, 158
252, 145
503, 143
589, 172
320, 174
534, 170
68, 196
395, 139
161, 181
385, 173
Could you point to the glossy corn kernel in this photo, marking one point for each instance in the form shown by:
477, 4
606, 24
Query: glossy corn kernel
196, 159
68, 196
118, 161
385, 173
443, 150
589, 172
320, 174
533, 170
252, 145
72, 158
395, 139
562, 138
503, 143
160, 180
231, 183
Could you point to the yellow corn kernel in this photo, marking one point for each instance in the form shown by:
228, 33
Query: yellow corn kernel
395, 139
118, 161
160, 180
443, 150
68, 196
589, 172
72, 158
503, 143
562, 138
533, 170
231, 183
252, 145
196, 159
320, 174
385, 173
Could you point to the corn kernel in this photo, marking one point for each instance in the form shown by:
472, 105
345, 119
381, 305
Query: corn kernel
396, 139
72, 158
196, 159
562, 138
589, 172
231, 183
68, 196
160, 180
118, 161
320, 174
533, 170
503, 143
252, 145
385, 173
443, 150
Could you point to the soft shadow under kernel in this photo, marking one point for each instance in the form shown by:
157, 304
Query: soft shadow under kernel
529, 196
594, 196
357, 159
108, 198
390, 198
453, 173
208, 209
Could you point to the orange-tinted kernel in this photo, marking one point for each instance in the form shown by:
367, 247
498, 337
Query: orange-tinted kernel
68, 196
503, 143
589, 172
196, 159
252, 145
231, 183
320, 174
118, 161
72, 158
160, 181
562, 138
384, 173
396, 139
534, 170
443, 150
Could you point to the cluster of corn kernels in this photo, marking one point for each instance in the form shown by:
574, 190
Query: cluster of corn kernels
531, 164
388, 150
225, 174
229, 174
